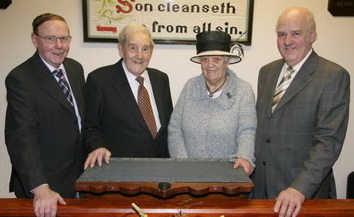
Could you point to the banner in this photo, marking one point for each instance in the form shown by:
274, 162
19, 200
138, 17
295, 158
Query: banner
170, 21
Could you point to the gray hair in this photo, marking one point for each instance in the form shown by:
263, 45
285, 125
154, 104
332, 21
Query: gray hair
131, 29
310, 18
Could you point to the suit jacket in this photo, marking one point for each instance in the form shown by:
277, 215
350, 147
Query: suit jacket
41, 129
297, 144
114, 120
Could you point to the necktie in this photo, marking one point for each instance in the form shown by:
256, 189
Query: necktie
64, 85
283, 85
145, 107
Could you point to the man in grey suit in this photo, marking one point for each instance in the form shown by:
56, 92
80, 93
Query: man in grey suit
43, 122
302, 120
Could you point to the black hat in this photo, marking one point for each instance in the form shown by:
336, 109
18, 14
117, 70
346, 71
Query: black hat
215, 43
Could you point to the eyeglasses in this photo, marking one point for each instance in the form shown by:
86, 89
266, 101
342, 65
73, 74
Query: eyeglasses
53, 39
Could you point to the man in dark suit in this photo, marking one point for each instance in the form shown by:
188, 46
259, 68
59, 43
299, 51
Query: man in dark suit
42, 129
115, 124
302, 118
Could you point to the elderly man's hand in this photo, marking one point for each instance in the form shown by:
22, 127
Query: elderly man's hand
289, 203
245, 164
97, 156
45, 201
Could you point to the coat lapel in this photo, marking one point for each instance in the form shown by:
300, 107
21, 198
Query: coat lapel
76, 88
123, 90
156, 89
301, 80
271, 77
49, 84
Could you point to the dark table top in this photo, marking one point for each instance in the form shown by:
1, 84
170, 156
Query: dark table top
165, 170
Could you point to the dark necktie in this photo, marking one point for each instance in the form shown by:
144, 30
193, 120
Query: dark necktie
145, 107
283, 85
64, 85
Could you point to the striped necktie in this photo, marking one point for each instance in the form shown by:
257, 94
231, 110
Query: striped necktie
64, 85
145, 107
283, 85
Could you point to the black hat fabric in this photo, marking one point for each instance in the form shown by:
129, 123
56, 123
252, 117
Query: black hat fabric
215, 43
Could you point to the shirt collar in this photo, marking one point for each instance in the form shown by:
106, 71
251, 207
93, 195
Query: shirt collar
130, 76
51, 68
298, 66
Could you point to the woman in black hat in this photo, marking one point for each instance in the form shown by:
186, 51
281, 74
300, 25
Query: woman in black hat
215, 115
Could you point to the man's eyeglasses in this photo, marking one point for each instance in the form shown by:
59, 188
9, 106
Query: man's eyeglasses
53, 39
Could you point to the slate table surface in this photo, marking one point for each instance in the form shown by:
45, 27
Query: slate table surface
165, 170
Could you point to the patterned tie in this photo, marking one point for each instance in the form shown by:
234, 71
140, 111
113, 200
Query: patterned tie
64, 85
145, 107
283, 85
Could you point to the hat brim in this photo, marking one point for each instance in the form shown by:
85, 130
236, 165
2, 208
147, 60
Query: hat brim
233, 57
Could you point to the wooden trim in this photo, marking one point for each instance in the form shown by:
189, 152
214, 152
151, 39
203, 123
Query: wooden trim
133, 188
171, 207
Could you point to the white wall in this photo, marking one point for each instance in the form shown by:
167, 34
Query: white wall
335, 42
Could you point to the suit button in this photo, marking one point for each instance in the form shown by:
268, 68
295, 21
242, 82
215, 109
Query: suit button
267, 140
264, 163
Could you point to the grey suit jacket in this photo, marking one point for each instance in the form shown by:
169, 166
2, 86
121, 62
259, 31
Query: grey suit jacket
41, 129
114, 120
297, 144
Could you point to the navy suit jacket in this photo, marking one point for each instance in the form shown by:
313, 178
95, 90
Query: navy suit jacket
41, 129
297, 144
114, 120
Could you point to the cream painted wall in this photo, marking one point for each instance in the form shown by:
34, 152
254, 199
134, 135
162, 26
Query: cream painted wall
335, 42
